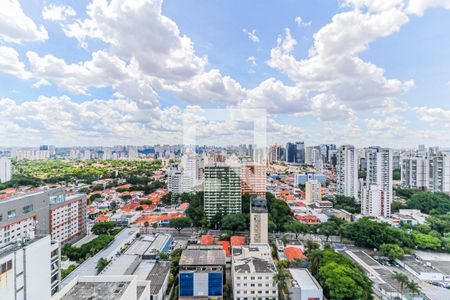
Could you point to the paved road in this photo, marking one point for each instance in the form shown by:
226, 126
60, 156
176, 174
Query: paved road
432, 291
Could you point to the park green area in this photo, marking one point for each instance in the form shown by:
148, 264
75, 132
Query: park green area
53, 171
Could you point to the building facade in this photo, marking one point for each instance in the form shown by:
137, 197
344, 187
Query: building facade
313, 191
253, 179
347, 171
30, 269
5, 170
46, 211
252, 271
415, 172
222, 189
295, 153
379, 179
259, 220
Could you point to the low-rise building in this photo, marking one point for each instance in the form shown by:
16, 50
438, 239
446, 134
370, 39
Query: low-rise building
104, 287
202, 272
303, 286
252, 271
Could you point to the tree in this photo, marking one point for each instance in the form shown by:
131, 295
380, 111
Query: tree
426, 202
235, 222
297, 228
342, 282
245, 203
402, 279
180, 223
413, 287
139, 208
280, 279
327, 229
103, 228
393, 251
101, 264
167, 198
271, 226
426, 241
372, 234
311, 245
396, 174
339, 276
146, 202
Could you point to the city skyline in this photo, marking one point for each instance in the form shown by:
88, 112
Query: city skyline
81, 74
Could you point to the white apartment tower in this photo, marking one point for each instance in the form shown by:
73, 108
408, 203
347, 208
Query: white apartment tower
347, 171
379, 178
415, 172
5, 169
440, 173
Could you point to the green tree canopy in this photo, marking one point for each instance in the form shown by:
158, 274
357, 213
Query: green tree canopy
103, 228
235, 222
393, 251
180, 223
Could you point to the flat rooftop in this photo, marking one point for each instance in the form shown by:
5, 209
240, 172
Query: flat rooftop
418, 266
122, 265
97, 291
89, 267
158, 275
138, 247
303, 279
253, 259
205, 256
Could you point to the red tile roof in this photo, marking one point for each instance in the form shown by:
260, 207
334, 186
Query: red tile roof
293, 253
102, 218
225, 246
237, 240
206, 240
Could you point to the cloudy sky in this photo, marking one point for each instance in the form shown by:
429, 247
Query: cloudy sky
366, 72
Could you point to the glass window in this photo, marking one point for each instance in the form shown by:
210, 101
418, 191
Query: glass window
28, 209
11, 214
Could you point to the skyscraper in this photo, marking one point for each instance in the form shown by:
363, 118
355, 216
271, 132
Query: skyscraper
378, 190
347, 171
295, 152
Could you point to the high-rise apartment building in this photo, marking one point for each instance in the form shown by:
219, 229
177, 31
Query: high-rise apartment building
415, 172
222, 189
30, 154
253, 179
47, 211
378, 183
439, 168
313, 191
259, 220
347, 171
30, 269
5, 170
372, 201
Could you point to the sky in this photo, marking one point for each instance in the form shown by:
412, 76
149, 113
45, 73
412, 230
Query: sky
362, 72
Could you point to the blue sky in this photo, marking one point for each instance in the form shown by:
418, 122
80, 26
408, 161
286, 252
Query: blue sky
109, 72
